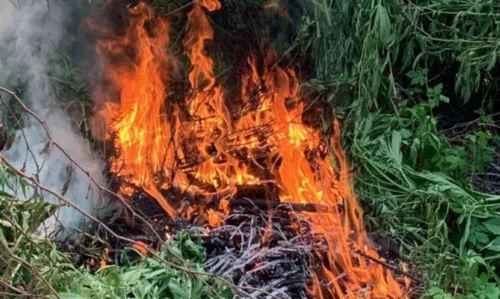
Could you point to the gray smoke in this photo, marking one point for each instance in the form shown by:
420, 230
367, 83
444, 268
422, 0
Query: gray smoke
31, 34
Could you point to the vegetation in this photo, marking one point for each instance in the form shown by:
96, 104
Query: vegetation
421, 79
33, 266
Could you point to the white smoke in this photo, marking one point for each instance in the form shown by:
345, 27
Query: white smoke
31, 33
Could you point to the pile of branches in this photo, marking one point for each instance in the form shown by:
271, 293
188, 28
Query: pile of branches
264, 251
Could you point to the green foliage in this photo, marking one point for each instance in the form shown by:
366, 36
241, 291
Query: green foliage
324, 36
482, 152
150, 277
405, 61
480, 286
30, 262
415, 189
418, 76
19, 247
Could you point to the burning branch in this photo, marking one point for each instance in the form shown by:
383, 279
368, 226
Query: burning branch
394, 269
264, 204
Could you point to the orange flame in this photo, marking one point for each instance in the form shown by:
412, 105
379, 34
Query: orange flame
141, 247
209, 150
282, 11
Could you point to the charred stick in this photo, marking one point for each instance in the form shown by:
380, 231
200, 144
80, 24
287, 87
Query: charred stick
384, 264
273, 204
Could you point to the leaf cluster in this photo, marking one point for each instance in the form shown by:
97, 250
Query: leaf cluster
404, 61
29, 263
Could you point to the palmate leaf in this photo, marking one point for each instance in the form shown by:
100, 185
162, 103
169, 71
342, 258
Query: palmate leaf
478, 237
177, 290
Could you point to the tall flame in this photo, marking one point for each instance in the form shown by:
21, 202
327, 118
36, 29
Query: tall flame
209, 150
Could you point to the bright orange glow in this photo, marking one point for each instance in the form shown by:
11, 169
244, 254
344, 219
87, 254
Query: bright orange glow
407, 279
273, 4
210, 5
141, 247
214, 218
206, 150
102, 263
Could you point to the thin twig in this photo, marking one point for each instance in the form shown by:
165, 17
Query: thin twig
384, 264
466, 124
35, 271
179, 8
19, 291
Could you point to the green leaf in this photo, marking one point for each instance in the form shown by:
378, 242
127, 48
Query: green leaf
177, 290
411, 74
435, 292
465, 235
382, 24
493, 61
494, 245
444, 99
155, 274
396, 147
408, 54
493, 225
5, 223
70, 296
454, 161
492, 291
414, 149
481, 238
4, 244
133, 275
438, 89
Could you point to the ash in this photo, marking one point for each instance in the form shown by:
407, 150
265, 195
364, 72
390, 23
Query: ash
270, 252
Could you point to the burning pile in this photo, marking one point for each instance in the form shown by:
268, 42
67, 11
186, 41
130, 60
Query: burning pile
213, 145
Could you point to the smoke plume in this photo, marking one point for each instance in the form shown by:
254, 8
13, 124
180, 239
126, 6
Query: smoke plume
31, 34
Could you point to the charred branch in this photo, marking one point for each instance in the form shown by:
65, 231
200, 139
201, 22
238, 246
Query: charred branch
264, 204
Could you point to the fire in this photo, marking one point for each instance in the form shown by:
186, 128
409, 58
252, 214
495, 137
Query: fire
204, 149
141, 247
